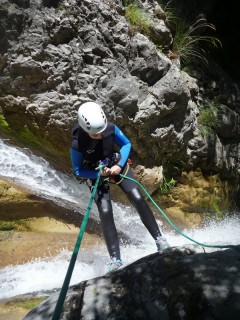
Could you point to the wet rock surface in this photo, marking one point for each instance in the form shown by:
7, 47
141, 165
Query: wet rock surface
183, 283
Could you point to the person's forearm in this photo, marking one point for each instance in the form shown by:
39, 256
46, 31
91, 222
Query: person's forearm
78, 168
124, 144
124, 151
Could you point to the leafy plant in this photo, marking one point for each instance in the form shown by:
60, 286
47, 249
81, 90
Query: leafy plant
188, 39
139, 18
161, 48
167, 184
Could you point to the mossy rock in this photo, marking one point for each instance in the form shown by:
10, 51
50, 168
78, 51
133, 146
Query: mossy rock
40, 146
26, 303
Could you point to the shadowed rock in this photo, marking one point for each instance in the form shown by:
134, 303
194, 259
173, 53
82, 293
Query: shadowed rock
180, 284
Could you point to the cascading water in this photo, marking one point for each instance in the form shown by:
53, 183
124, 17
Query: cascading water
21, 166
37, 175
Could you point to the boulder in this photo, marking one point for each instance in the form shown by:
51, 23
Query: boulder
182, 283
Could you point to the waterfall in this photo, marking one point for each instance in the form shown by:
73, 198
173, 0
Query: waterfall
35, 173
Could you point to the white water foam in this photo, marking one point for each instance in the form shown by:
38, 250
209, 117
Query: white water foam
46, 274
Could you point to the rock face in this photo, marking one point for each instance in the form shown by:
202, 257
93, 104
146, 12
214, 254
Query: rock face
180, 284
18, 203
54, 55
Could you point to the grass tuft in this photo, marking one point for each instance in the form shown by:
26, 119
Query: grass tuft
139, 18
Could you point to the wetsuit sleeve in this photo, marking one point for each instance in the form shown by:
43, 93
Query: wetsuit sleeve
125, 146
78, 167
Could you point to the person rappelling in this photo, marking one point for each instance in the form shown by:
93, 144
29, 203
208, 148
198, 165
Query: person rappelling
94, 142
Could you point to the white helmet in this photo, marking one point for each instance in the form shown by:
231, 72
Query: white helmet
91, 118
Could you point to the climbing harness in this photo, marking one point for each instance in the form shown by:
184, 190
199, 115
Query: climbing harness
125, 173
63, 292
109, 162
237, 247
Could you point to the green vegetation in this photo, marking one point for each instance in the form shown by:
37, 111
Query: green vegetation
167, 184
208, 119
7, 226
26, 303
216, 209
24, 135
160, 47
4, 126
30, 139
188, 40
18, 225
171, 13
139, 18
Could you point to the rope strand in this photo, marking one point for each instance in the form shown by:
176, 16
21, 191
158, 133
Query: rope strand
173, 225
64, 289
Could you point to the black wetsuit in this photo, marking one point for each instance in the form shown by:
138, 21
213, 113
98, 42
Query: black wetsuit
85, 153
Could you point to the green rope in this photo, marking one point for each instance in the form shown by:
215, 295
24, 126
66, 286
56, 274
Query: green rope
172, 224
64, 289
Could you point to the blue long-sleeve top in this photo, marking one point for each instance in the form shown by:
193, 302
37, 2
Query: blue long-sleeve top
77, 158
